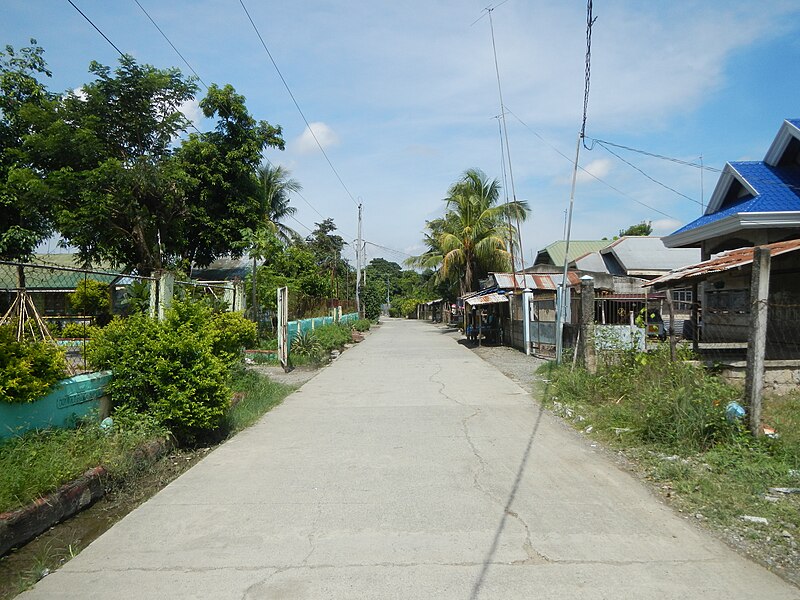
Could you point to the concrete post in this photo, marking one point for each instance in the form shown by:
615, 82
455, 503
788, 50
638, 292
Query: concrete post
527, 297
154, 295
671, 331
586, 348
240, 297
166, 284
695, 318
756, 348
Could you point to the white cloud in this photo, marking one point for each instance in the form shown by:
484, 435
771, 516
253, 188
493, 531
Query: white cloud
305, 143
597, 168
665, 226
192, 111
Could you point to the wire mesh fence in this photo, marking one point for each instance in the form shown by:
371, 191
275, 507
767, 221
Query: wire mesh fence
65, 305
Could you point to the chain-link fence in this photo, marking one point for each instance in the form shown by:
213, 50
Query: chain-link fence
65, 305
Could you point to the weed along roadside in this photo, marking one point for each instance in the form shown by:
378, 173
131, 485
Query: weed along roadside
147, 468
672, 424
743, 490
126, 463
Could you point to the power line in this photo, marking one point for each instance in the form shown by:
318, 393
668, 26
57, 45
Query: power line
186, 62
113, 45
200, 79
487, 10
389, 249
588, 71
654, 180
654, 155
590, 174
294, 100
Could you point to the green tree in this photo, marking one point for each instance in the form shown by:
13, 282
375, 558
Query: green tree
25, 216
644, 228
274, 189
106, 157
327, 249
226, 199
471, 239
371, 300
90, 297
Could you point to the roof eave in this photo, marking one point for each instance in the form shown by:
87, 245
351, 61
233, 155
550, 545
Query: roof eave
732, 224
787, 132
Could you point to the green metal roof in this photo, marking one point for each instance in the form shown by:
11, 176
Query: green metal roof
555, 251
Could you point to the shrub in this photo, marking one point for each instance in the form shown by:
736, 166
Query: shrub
90, 297
371, 300
78, 330
676, 405
176, 370
28, 369
333, 336
231, 333
361, 325
306, 344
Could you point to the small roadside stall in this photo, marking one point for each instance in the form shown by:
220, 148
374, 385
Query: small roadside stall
484, 315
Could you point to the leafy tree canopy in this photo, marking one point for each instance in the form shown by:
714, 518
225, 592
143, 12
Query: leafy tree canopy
472, 237
106, 159
643, 228
25, 219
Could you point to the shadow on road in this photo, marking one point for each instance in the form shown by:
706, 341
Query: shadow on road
487, 561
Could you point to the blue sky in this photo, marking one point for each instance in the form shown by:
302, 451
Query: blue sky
403, 96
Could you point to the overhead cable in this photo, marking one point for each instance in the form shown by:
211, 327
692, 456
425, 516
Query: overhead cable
654, 155
296, 104
113, 45
164, 35
589, 173
653, 179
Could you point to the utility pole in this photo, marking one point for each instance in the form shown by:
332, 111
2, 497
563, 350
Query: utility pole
387, 292
561, 309
358, 265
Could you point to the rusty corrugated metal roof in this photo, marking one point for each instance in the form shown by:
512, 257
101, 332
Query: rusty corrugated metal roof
534, 281
724, 262
491, 298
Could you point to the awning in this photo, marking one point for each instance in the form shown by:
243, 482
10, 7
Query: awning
492, 298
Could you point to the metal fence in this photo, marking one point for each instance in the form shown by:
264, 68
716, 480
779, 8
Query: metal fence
304, 326
64, 305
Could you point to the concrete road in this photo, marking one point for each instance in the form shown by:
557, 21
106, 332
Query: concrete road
407, 469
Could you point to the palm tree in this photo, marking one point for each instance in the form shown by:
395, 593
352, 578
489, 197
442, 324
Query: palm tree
473, 236
275, 187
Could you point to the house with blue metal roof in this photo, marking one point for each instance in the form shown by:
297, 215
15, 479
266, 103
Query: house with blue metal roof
754, 202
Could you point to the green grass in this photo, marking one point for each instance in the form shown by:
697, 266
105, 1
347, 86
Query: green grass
260, 395
669, 419
38, 463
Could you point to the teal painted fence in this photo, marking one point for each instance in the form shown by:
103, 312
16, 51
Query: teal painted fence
71, 399
307, 325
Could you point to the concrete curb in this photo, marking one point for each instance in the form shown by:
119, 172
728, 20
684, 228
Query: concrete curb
20, 526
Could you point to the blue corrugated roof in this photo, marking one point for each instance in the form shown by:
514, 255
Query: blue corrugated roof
778, 190
795, 122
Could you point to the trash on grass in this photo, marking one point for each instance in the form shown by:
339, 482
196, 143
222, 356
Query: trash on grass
734, 411
752, 519
784, 490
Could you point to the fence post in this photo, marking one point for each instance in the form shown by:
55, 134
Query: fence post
154, 294
527, 297
695, 318
671, 332
756, 349
283, 327
166, 284
586, 348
